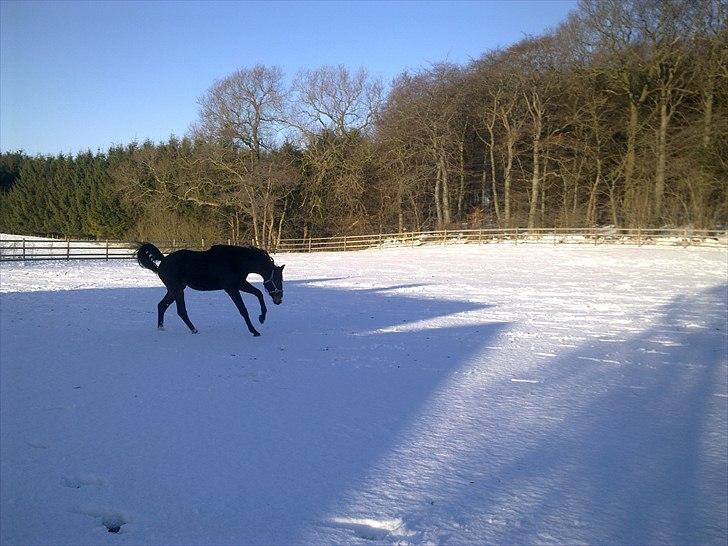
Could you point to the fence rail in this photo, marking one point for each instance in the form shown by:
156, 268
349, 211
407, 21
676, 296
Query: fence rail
33, 248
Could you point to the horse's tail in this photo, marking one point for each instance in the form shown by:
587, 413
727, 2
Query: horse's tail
147, 254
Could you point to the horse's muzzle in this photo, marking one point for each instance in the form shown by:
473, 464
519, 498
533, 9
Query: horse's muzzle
277, 299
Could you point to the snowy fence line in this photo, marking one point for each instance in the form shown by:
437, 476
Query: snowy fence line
669, 237
20, 248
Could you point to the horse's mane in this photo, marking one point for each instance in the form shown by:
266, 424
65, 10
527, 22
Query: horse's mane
260, 252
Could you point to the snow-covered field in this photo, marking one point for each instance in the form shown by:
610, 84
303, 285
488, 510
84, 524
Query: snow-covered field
463, 394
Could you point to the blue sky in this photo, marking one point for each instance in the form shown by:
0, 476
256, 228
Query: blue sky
86, 75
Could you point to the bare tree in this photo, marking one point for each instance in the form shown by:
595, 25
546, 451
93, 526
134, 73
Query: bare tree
332, 113
503, 122
243, 109
620, 56
331, 98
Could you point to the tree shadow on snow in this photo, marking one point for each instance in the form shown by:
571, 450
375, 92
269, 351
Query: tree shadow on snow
258, 436
267, 439
616, 443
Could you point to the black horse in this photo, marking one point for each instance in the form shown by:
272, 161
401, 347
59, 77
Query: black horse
222, 267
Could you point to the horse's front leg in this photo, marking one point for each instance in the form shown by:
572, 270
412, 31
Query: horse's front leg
238, 301
245, 286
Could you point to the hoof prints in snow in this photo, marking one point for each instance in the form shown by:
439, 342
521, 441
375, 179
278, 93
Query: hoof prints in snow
113, 520
113, 524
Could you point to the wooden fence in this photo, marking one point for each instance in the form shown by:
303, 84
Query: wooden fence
33, 248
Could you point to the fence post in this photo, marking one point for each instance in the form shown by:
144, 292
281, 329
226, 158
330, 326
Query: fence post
444, 236
516, 235
480, 236
309, 244
107, 250
68, 249
639, 236
344, 242
23, 249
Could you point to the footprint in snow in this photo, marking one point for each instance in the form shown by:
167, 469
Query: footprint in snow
112, 520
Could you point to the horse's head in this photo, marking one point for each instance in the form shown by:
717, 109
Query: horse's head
274, 284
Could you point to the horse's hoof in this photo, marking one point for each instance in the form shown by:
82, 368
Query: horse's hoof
195, 331
261, 318
256, 334
160, 328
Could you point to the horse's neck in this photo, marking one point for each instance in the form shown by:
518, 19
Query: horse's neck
259, 264
265, 270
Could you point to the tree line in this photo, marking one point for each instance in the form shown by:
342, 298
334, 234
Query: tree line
619, 116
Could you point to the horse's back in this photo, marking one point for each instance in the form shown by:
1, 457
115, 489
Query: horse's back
213, 269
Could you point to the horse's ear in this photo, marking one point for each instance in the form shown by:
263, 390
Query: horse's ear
284, 265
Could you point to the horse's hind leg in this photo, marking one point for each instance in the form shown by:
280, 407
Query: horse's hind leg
179, 298
238, 301
162, 308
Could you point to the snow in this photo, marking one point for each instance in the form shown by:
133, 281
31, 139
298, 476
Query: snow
457, 394
15, 247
